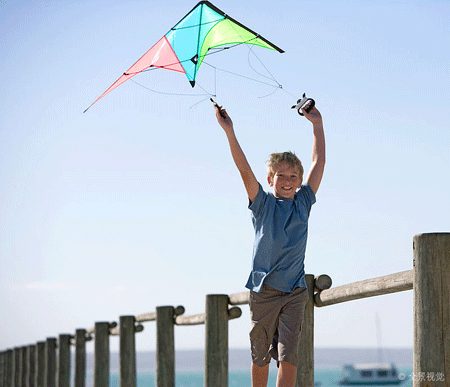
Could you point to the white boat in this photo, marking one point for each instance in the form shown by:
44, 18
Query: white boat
370, 374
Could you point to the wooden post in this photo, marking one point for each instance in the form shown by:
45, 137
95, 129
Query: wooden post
216, 351
127, 358
101, 349
165, 346
9, 367
39, 363
16, 367
31, 369
80, 358
2, 368
305, 367
22, 365
64, 361
431, 365
50, 362
6, 370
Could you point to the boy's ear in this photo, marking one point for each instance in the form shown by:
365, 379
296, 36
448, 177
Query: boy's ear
270, 180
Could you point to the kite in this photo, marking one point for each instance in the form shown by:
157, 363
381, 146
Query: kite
185, 46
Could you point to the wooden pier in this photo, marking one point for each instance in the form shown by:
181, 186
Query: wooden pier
47, 363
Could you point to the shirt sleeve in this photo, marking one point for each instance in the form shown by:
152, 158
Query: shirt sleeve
257, 205
306, 196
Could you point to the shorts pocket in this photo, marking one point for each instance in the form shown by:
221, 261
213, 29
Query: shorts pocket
260, 343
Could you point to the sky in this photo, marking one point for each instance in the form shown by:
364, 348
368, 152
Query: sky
137, 203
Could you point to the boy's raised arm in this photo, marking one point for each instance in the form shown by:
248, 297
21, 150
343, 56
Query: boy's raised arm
249, 179
318, 153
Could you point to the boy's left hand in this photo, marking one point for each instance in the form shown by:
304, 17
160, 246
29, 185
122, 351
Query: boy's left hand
313, 116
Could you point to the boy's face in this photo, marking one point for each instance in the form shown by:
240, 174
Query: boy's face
285, 181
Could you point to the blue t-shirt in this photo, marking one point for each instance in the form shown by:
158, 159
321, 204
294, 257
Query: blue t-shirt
281, 231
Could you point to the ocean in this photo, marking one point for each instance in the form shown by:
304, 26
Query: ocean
328, 363
323, 378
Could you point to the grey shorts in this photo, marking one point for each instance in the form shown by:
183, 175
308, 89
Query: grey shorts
276, 324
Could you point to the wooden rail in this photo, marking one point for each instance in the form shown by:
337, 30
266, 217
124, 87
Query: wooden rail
392, 283
46, 362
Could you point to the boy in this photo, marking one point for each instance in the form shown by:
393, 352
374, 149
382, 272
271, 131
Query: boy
277, 284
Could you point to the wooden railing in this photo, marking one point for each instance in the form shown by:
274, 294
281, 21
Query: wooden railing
47, 363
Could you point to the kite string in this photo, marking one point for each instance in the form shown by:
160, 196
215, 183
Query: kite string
166, 93
272, 77
208, 94
199, 102
251, 50
242, 76
265, 67
256, 71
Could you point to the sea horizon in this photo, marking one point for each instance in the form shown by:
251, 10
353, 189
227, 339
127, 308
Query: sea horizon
192, 360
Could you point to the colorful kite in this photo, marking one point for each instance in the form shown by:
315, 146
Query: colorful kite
185, 46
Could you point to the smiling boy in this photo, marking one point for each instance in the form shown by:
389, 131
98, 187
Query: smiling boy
278, 293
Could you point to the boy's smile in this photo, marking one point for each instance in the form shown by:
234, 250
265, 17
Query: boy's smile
285, 181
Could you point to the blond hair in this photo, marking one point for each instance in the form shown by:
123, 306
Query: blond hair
276, 159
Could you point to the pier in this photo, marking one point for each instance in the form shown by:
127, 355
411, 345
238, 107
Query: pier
47, 363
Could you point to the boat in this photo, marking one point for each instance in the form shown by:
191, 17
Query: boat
370, 374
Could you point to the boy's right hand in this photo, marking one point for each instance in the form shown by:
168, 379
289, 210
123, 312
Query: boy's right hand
249, 179
223, 119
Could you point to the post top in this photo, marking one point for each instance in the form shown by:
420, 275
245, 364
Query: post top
426, 234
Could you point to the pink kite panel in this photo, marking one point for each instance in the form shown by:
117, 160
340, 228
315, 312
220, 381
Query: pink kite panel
160, 55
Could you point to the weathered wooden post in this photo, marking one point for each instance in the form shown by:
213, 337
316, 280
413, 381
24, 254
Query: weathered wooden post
39, 363
2, 368
305, 367
80, 358
127, 358
9, 367
50, 362
23, 365
30, 366
101, 355
431, 365
216, 346
4, 380
16, 367
165, 346
64, 360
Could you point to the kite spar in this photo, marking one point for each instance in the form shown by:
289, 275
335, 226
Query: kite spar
185, 46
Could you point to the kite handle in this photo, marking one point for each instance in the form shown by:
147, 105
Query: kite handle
301, 103
218, 107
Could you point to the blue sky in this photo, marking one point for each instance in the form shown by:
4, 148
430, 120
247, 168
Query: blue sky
137, 203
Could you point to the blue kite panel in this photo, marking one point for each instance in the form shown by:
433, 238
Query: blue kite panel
187, 36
